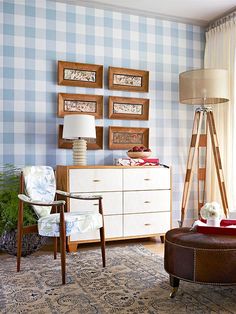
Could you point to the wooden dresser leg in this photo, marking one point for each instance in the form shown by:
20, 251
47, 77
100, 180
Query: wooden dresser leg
72, 247
162, 237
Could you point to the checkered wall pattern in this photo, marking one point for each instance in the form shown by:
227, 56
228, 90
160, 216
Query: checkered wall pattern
37, 33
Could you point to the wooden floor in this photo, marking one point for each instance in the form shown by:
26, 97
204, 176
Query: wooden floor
155, 245
152, 244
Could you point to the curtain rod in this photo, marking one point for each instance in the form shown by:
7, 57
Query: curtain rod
228, 16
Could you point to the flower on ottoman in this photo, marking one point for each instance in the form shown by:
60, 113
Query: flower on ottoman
212, 212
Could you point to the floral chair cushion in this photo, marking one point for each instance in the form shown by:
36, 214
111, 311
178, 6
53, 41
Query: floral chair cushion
40, 184
76, 222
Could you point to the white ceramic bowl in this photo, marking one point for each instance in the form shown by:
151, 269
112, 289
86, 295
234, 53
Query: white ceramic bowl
139, 154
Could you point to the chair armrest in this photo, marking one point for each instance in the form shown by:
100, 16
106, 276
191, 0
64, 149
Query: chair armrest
78, 196
28, 200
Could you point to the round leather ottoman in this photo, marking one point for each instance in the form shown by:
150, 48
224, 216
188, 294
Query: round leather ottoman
198, 257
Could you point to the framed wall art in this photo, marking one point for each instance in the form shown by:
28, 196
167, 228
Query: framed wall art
80, 104
92, 143
80, 74
126, 138
128, 108
128, 79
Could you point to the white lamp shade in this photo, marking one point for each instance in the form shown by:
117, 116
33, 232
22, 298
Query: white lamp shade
77, 126
204, 86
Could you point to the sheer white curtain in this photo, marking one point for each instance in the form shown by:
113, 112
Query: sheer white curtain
220, 52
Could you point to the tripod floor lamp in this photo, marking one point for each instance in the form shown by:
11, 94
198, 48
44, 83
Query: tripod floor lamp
203, 87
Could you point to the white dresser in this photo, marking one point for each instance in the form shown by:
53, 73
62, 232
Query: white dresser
136, 200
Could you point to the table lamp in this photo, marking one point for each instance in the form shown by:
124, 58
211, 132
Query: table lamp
78, 128
204, 87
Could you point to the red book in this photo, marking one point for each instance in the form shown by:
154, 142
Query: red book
227, 222
148, 161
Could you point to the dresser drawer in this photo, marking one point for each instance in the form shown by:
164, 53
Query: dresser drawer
145, 224
112, 203
146, 178
113, 229
94, 180
146, 201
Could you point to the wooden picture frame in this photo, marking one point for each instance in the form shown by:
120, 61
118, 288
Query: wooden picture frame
126, 138
128, 79
80, 74
128, 108
92, 144
80, 104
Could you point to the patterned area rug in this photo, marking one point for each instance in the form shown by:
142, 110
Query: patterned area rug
134, 281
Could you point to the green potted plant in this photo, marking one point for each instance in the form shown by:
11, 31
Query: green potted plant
9, 189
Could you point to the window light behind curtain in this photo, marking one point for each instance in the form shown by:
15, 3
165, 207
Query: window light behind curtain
220, 52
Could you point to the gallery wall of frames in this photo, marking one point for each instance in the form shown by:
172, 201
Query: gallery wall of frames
91, 76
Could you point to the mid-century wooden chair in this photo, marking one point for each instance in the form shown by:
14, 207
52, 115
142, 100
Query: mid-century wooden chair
39, 185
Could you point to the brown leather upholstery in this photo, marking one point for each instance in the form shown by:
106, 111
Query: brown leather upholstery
203, 258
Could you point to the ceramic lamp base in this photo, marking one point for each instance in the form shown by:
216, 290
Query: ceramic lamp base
79, 152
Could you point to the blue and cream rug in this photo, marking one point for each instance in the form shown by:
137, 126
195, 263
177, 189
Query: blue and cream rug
134, 281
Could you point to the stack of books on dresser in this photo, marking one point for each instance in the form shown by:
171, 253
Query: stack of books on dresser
136, 161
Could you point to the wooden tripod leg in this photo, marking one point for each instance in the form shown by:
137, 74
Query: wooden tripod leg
197, 123
201, 173
218, 164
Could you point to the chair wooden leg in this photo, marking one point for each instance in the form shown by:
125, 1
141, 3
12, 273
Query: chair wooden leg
19, 247
63, 245
102, 234
19, 230
63, 262
102, 237
55, 247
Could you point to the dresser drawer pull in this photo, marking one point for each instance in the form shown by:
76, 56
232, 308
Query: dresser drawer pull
147, 202
147, 179
95, 204
96, 180
147, 225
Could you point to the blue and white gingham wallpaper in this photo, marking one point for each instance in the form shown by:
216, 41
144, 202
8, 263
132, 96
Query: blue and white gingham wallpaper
37, 33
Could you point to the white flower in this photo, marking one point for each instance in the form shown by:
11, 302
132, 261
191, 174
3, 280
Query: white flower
211, 210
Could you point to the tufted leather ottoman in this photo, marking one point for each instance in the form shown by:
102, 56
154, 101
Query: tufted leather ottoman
201, 258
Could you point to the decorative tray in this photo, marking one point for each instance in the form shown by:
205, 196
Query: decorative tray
223, 229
